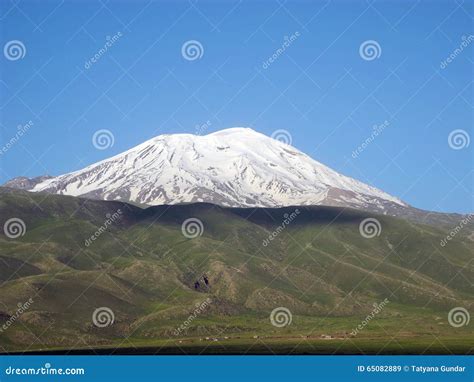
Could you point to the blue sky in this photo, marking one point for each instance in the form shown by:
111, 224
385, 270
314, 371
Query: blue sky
319, 88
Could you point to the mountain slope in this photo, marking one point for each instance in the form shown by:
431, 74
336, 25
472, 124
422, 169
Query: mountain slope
24, 183
144, 268
236, 167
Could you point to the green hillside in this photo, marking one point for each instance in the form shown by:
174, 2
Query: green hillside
143, 268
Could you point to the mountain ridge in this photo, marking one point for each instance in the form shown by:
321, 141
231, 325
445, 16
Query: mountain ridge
236, 167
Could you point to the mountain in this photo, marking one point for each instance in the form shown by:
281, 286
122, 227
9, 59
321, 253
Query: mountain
24, 183
142, 268
236, 167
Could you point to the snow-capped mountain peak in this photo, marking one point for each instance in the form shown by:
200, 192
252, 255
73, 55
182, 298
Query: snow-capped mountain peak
232, 167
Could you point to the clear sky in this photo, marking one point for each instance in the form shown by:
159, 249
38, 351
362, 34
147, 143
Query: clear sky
321, 88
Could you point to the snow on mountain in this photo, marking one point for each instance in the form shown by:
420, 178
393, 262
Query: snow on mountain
232, 167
